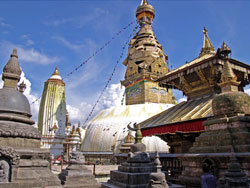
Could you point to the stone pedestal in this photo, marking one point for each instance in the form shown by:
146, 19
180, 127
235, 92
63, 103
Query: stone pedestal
132, 174
76, 175
28, 168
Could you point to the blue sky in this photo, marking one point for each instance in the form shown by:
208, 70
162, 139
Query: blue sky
65, 33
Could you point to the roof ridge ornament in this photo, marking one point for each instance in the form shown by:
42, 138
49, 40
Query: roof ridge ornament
207, 47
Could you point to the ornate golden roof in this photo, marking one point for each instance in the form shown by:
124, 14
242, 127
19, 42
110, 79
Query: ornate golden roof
185, 111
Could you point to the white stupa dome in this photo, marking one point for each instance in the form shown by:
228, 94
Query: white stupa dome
109, 127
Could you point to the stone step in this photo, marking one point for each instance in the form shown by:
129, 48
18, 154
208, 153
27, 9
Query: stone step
82, 186
107, 185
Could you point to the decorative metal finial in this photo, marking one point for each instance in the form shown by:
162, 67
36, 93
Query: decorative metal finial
21, 87
144, 2
205, 30
207, 47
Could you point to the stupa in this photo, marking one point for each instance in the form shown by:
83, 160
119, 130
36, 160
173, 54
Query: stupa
145, 62
22, 162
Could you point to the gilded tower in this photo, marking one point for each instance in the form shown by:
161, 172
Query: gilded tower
145, 63
52, 114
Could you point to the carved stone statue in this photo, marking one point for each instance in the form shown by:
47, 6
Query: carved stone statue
4, 170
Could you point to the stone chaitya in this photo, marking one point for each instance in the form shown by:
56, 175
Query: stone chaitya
225, 144
136, 172
76, 175
157, 179
22, 162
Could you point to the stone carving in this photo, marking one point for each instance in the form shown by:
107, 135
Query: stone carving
8, 157
157, 179
4, 171
18, 130
10, 154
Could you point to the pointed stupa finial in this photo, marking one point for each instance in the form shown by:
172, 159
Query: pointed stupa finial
138, 134
55, 72
12, 71
73, 130
55, 75
78, 129
224, 51
144, 2
207, 47
228, 78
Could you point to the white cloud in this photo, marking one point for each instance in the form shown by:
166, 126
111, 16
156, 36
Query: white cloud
27, 54
69, 44
247, 91
3, 23
111, 97
30, 96
182, 99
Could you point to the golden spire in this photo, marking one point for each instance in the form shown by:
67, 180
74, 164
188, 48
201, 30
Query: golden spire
73, 130
56, 72
56, 75
78, 129
207, 47
144, 2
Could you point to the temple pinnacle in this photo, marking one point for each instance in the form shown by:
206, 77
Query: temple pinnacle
207, 47
144, 2
55, 74
12, 71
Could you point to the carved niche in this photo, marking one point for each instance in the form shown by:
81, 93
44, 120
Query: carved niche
9, 158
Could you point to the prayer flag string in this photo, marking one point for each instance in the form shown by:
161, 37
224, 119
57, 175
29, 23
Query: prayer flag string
94, 54
100, 49
110, 78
